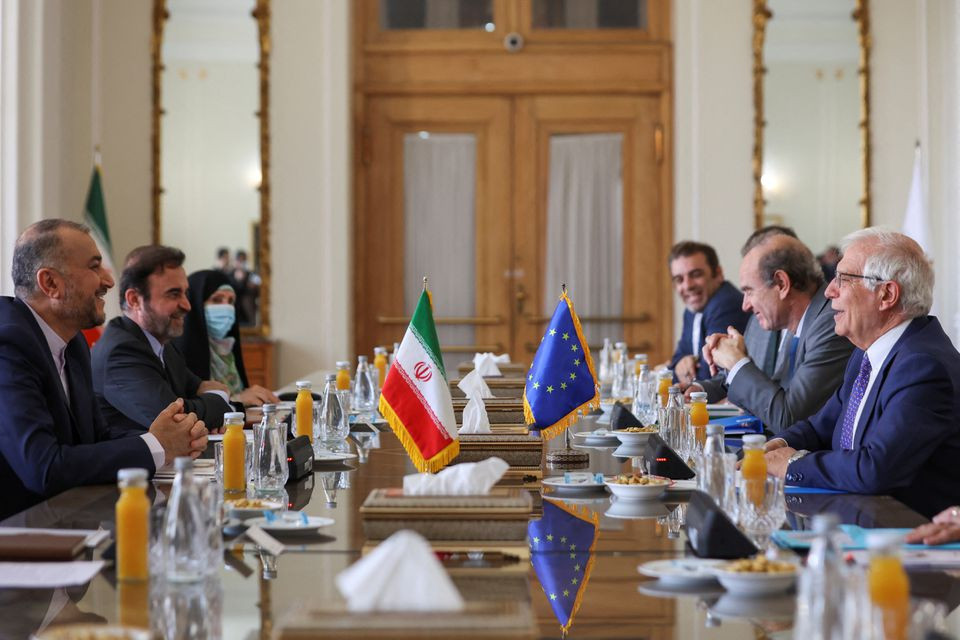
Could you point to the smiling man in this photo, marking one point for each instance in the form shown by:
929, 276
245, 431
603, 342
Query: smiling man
136, 367
892, 427
52, 436
712, 304
784, 290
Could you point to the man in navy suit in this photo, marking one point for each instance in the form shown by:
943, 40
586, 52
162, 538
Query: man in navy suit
52, 436
712, 305
892, 427
137, 370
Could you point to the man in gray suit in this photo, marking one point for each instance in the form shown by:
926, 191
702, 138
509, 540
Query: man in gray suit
784, 289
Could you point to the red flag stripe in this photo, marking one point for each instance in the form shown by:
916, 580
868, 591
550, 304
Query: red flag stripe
413, 411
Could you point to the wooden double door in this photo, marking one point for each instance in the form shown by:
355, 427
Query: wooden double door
468, 191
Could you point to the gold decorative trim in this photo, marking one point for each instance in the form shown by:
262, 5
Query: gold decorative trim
761, 15
160, 17
261, 13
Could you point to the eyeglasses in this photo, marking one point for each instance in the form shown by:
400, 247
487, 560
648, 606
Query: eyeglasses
849, 278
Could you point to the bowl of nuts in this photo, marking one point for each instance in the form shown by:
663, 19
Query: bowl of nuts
246, 508
634, 435
627, 486
757, 576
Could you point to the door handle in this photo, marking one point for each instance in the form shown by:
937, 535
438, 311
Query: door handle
521, 296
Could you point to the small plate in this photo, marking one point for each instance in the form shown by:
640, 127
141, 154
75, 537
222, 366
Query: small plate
291, 521
245, 513
744, 583
637, 491
636, 509
330, 456
597, 436
631, 437
579, 483
682, 571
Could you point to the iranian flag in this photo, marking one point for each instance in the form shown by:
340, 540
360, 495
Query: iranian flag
416, 397
95, 216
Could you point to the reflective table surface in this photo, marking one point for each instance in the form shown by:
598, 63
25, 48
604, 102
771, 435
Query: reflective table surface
255, 594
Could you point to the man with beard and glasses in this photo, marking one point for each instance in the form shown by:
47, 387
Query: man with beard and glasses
136, 366
52, 435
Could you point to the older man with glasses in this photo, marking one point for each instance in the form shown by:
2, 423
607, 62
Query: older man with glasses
892, 427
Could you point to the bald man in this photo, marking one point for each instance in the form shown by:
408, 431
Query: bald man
783, 288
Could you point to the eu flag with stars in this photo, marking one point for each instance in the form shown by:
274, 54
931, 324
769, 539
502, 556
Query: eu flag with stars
562, 379
561, 546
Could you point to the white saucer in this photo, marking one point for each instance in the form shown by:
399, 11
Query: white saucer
631, 437
745, 583
681, 486
581, 482
661, 589
291, 521
636, 509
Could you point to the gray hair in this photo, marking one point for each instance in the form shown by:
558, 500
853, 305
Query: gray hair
39, 247
896, 257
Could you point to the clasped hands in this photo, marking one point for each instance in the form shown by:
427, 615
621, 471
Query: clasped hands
180, 434
724, 350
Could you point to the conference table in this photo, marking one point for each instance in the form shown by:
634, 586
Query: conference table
256, 595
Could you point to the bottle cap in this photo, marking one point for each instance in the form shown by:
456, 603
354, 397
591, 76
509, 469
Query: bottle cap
699, 396
621, 345
343, 364
331, 377
824, 522
644, 368
665, 373
642, 357
674, 388
380, 351
269, 408
757, 439
304, 384
714, 429
183, 463
126, 475
234, 415
361, 358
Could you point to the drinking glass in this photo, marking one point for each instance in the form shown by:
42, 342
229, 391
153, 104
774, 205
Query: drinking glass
218, 462
761, 508
717, 477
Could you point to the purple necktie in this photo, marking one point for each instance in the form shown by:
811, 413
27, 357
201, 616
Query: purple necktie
853, 403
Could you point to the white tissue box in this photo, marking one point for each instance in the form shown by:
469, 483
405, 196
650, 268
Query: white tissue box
500, 411
507, 369
501, 515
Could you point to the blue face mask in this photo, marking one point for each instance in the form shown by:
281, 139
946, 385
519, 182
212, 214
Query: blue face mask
220, 317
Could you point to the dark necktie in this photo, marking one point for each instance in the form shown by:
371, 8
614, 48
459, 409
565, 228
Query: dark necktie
770, 359
794, 343
853, 403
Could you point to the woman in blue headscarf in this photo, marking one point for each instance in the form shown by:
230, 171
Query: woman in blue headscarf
211, 337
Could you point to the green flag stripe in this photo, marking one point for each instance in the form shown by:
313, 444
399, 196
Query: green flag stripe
96, 209
422, 326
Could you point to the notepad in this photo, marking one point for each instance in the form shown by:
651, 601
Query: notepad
41, 546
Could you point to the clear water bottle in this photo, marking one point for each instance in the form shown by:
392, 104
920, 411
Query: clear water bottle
711, 470
645, 398
185, 530
270, 452
334, 420
820, 586
364, 387
606, 361
674, 423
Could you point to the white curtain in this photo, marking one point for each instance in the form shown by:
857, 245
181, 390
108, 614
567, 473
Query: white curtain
439, 186
585, 228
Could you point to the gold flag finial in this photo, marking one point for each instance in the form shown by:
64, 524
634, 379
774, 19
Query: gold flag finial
424, 283
563, 288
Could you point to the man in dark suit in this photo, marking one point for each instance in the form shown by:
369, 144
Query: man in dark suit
52, 436
712, 305
892, 427
136, 367
784, 289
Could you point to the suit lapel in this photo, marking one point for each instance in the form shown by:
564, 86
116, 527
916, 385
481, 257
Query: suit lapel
870, 402
817, 305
